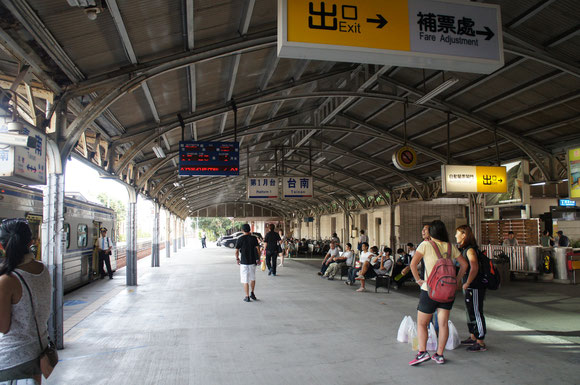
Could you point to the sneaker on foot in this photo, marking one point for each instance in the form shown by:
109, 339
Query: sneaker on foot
247, 299
477, 348
319, 273
270, 272
468, 341
253, 296
419, 358
438, 358
330, 278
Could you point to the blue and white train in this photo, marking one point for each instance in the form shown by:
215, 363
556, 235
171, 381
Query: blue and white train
82, 221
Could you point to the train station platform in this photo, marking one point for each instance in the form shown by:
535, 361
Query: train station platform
186, 323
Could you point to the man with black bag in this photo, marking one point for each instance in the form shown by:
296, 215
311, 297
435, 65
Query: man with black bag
272, 246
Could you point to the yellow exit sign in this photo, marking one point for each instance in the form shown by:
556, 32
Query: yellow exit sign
473, 179
438, 34
350, 23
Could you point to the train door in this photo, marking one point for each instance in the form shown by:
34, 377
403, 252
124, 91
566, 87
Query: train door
35, 223
95, 256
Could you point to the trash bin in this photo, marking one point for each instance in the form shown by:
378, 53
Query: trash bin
501, 263
560, 264
533, 255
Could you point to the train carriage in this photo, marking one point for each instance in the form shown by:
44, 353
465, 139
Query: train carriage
82, 221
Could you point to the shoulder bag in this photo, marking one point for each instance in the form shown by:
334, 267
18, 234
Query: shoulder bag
49, 356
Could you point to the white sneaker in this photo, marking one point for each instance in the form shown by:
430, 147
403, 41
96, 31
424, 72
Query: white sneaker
280, 265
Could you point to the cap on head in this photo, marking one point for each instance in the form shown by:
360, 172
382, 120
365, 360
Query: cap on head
560, 232
246, 228
104, 229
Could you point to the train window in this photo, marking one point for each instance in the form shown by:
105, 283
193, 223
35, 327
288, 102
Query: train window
82, 232
67, 234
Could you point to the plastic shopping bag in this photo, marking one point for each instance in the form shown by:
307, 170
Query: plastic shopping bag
453, 340
432, 341
413, 338
402, 335
263, 258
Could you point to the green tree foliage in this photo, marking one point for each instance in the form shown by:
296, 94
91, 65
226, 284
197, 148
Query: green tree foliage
118, 206
216, 227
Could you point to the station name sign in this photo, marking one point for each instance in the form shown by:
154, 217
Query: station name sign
297, 187
473, 179
209, 158
436, 34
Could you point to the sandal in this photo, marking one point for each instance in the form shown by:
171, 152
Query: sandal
360, 290
360, 278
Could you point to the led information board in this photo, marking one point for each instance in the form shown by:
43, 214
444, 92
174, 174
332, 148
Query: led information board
209, 158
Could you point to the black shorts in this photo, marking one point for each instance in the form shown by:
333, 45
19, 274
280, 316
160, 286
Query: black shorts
428, 306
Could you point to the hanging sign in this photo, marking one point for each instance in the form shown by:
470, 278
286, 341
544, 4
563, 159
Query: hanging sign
573, 156
209, 158
262, 188
473, 179
405, 158
437, 34
297, 187
23, 164
567, 203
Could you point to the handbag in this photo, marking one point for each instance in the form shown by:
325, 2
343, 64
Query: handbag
49, 356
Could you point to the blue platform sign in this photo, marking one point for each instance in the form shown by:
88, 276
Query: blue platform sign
567, 203
209, 158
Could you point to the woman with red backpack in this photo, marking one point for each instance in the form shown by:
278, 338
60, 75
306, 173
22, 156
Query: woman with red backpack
438, 292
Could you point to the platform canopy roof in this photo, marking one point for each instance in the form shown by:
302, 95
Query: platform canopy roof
122, 71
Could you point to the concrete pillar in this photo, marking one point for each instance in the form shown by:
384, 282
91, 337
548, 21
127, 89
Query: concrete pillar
131, 270
393, 239
175, 234
183, 233
476, 214
167, 234
156, 235
347, 234
317, 219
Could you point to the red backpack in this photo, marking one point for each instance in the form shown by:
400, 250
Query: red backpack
442, 280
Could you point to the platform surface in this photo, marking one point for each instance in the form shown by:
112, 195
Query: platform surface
186, 323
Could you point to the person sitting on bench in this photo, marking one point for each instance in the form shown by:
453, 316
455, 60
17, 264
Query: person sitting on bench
346, 259
331, 256
402, 269
378, 265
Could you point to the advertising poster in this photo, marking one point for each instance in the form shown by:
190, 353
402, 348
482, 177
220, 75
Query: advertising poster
574, 173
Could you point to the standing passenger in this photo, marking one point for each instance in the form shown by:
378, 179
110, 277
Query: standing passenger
427, 306
248, 245
104, 246
19, 336
563, 241
203, 238
272, 245
473, 289
283, 247
362, 239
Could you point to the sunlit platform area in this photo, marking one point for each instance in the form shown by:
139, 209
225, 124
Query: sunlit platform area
186, 323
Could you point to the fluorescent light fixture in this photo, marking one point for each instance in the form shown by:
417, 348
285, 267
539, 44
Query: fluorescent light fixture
18, 140
441, 88
320, 160
183, 198
176, 184
564, 180
158, 151
538, 184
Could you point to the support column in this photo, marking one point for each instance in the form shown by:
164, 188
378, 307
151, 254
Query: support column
131, 270
156, 235
53, 246
168, 235
175, 232
183, 233
347, 231
180, 233
476, 214
393, 235
317, 232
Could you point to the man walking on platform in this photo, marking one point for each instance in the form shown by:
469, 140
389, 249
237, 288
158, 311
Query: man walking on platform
248, 246
203, 237
272, 244
104, 247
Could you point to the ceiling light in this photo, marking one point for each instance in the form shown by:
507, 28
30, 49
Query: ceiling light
176, 184
183, 198
441, 88
320, 160
158, 151
538, 184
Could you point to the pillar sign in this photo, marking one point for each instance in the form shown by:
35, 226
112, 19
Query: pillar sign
262, 188
473, 179
297, 187
23, 164
437, 34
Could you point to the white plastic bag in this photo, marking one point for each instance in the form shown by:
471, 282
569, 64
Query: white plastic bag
432, 341
402, 334
453, 340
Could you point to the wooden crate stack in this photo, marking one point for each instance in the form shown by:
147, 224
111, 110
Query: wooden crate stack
527, 231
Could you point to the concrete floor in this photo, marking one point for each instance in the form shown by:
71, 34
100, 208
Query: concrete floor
186, 323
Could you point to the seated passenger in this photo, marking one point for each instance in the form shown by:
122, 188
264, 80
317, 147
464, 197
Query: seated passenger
331, 256
346, 259
401, 270
380, 265
364, 256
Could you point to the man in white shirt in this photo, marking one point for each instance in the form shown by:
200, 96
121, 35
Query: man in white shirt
105, 248
362, 239
332, 256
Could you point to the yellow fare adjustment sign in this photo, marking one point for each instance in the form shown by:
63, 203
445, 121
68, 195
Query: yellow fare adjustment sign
491, 179
380, 24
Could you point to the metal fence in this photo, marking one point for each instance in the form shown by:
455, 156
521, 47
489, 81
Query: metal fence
517, 255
